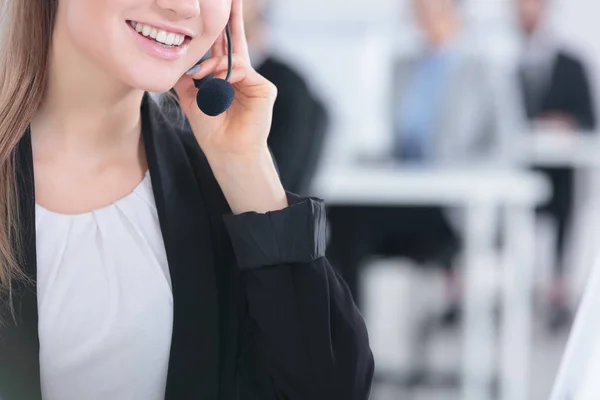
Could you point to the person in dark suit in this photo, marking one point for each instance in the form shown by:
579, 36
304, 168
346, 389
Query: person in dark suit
554, 82
144, 257
556, 91
300, 118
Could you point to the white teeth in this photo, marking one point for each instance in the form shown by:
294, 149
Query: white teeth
161, 37
168, 38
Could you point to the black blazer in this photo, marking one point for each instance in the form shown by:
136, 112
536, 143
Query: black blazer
259, 313
568, 91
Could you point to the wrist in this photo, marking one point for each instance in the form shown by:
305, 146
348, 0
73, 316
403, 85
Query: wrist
249, 181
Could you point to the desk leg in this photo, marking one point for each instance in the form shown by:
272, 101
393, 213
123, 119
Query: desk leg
480, 282
516, 302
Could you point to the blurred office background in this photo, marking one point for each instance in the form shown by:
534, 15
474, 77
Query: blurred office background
455, 144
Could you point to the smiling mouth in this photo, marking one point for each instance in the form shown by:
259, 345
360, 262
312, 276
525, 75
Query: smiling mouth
159, 36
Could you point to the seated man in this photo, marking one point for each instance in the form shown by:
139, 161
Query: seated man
442, 115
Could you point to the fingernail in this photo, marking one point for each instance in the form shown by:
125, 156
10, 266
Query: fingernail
193, 70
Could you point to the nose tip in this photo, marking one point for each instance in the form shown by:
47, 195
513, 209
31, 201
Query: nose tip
183, 8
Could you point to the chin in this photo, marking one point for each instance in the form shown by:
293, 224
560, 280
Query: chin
153, 84
156, 88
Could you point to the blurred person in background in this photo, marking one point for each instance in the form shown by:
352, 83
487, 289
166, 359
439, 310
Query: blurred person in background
300, 118
442, 107
442, 116
556, 94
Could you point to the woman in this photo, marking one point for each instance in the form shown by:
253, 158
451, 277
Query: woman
146, 258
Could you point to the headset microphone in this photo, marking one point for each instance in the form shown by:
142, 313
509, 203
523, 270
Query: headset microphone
216, 95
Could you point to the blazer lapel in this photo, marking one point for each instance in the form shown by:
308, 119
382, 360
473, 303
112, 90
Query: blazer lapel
194, 361
19, 343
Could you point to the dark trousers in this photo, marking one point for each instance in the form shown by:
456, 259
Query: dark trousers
559, 207
422, 234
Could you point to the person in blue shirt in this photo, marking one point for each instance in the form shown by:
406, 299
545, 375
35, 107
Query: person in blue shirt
442, 115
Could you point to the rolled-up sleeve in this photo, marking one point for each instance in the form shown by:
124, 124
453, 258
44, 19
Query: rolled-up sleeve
310, 332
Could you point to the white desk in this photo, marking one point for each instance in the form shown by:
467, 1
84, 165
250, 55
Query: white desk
552, 148
480, 192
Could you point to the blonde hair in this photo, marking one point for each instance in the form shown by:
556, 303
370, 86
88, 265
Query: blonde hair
25, 33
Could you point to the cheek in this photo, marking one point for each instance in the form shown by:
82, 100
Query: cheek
94, 30
101, 35
77, 19
215, 15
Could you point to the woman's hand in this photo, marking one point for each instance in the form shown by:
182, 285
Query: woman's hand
235, 142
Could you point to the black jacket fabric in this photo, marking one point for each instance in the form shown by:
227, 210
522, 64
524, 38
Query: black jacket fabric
259, 313
568, 91
299, 128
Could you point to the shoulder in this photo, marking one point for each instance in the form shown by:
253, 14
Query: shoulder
281, 73
403, 65
474, 72
471, 58
569, 60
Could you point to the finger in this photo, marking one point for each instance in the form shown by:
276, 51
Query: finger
187, 92
218, 65
243, 77
249, 83
238, 32
237, 75
219, 48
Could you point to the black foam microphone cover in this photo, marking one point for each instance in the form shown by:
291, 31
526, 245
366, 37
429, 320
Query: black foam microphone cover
214, 96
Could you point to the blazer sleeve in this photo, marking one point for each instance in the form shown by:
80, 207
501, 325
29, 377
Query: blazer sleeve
581, 93
571, 92
312, 336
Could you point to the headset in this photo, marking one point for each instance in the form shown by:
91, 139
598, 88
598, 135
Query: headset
216, 95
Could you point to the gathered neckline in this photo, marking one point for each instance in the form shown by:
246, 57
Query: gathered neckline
99, 209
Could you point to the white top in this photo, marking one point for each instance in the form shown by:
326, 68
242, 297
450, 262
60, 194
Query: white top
577, 378
105, 301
